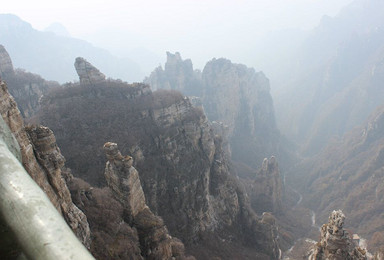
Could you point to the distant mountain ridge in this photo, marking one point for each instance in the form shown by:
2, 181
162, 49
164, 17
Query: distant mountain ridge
51, 55
335, 81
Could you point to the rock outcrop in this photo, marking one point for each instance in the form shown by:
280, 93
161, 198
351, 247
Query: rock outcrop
230, 93
184, 171
43, 161
266, 188
335, 242
178, 74
88, 74
6, 66
123, 179
111, 237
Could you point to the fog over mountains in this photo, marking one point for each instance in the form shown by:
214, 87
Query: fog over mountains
52, 55
152, 157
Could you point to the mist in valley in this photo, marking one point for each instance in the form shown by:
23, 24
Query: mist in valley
250, 123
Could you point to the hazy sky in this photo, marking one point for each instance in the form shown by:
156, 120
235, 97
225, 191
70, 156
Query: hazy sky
198, 29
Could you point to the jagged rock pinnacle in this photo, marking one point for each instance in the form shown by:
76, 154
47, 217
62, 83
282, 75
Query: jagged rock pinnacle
6, 66
123, 179
335, 242
88, 74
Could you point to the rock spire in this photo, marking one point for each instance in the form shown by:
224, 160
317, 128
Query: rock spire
6, 66
335, 242
88, 74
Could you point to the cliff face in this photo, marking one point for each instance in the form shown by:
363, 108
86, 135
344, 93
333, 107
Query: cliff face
26, 88
43, 161
184, 172
178, 74
240, 98
335, 242
230, 93
124, 181
6, 66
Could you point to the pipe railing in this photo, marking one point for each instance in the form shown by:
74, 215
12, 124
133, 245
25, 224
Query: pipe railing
40, 230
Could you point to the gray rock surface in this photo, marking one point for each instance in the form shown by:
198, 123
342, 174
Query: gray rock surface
184, 169
88, 74
123, 179
335, 242
230, 93
6, 66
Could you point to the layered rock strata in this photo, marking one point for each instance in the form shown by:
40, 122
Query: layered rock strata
335, 242
43, 161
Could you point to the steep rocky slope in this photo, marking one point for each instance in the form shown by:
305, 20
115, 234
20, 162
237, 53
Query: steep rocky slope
230, 93
348, 175
42, 159
184, 171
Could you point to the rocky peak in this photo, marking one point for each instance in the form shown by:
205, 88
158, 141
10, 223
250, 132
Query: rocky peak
177, 74
173, 58
123, 179
266, 189
335, 242
6, 66
175, 63
88, 74
230, 93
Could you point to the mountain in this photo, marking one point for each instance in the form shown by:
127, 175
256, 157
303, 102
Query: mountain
146, 238
232, 94
58, 29
184, 169
335, 82
51, 55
